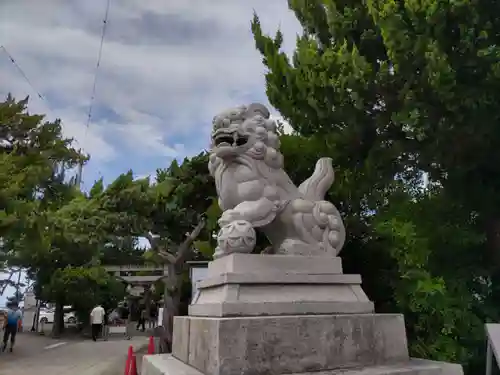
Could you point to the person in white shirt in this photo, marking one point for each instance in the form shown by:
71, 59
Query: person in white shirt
97, 321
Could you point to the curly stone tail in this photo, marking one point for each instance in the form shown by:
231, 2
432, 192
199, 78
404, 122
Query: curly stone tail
319, 223
316, 186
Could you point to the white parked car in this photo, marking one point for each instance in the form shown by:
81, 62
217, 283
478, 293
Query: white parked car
47, 316
70, 318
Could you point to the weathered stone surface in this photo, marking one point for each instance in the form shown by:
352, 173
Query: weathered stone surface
288, 344
255, 191
252, 285
252, 263
181, 335
446, 368
280, 278
233, 309
167, 364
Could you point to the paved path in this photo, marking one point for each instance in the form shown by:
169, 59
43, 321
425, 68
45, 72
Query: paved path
35, 354
28, 345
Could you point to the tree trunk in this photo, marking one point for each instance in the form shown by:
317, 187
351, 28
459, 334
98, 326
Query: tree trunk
58, 326
167, 326
171, 298
165, 337
173, 283
171, 309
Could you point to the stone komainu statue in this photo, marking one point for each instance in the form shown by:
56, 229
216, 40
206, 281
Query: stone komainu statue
255, 191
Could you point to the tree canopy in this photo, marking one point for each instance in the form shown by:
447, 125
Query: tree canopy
395, 91
63, 237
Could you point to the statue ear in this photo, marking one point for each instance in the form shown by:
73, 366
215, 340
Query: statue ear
258, 109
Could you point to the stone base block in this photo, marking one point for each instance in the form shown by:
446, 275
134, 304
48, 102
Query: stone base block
289, 344
234, 294
253, 285
265, 263
166, 364
231, 309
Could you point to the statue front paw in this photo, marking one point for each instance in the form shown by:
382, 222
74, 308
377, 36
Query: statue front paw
228, 217
236, 237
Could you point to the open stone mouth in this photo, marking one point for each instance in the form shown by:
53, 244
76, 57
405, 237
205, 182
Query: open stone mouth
233, 140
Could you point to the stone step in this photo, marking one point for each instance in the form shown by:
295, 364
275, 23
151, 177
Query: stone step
409, 368
166, 364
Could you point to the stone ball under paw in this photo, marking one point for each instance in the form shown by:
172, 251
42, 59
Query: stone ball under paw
237, 237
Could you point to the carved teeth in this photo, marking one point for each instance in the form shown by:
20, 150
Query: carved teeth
223, 140
232, 139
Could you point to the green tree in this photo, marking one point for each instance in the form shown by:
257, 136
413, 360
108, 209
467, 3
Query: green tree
443, 313
390, 90
175, 212
185, 196
34, 156
73, 236
33, 152
83, 288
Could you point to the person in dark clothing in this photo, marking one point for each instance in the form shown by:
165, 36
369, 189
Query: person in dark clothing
142, 320
153, 316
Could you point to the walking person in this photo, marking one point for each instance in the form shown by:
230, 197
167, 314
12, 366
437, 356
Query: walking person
142, 320
97, 320
14, 316
153, 316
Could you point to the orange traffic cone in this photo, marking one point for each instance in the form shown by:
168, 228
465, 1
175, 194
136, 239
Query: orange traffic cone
128, 362
151, 345
133, 366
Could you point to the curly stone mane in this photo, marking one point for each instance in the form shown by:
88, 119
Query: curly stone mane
255, 121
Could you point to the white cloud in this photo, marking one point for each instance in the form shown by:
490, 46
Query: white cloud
167, 67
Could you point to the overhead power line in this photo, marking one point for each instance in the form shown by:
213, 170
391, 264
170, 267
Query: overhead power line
98, 64
92, 95
14, 62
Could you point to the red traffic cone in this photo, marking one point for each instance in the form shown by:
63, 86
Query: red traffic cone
133, 366
151, 345
128, 362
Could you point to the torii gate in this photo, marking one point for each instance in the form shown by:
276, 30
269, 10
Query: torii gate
127, 274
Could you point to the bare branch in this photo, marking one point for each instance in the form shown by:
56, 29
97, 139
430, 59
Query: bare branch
166, 256
185, 247
197, 230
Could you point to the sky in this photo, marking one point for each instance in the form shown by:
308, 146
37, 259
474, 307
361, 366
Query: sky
167, 67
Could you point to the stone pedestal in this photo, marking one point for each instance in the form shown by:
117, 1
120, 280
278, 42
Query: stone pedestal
257, 285
269, 314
